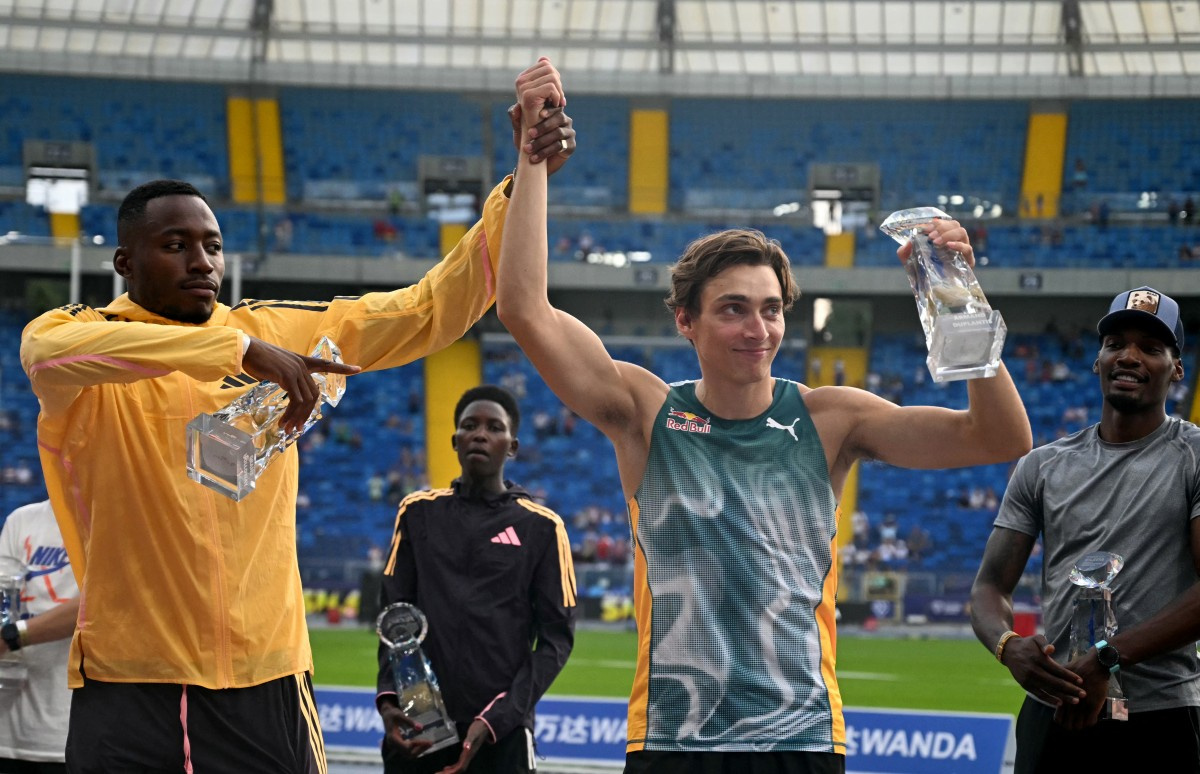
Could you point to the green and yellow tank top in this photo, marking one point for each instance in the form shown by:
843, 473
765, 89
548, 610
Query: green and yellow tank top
734, 583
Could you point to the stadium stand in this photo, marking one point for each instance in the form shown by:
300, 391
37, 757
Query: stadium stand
347, 152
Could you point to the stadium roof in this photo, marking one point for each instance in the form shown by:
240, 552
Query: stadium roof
928, 48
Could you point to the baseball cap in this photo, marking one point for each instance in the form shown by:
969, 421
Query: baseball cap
1147, 307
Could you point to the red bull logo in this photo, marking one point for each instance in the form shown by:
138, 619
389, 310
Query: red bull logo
687, 421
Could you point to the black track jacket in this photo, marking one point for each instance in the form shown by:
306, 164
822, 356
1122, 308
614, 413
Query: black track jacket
495, 580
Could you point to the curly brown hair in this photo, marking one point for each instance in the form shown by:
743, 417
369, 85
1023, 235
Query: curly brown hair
710, 255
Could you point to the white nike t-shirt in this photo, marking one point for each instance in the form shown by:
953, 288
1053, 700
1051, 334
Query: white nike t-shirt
33, 722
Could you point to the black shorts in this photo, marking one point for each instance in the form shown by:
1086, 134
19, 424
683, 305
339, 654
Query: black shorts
781, 762
121, 728
1163, 741
15, 766
512, 754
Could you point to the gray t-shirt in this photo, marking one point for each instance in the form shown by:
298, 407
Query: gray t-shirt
1134, 499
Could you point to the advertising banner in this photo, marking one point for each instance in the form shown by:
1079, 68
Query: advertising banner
590, 730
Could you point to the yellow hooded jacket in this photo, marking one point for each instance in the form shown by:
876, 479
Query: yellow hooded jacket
178, 583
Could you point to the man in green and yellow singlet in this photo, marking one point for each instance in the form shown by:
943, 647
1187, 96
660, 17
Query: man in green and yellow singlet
732, 483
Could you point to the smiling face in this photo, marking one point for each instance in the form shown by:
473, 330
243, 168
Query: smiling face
1136, 370
171, 258
483, 441
738, 326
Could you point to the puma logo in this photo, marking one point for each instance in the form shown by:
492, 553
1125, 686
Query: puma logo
771, 423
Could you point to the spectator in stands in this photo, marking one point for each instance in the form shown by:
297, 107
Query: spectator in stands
732, 482
194, 599
491, 570
1079, 178
860, 524
891, 554
1131, 485
919, 542
375, 486
283, 234
33, 718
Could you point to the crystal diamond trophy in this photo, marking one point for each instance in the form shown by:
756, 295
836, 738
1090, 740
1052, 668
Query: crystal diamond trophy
963, 334
402, 628
1092, 619
13, 671
228, 450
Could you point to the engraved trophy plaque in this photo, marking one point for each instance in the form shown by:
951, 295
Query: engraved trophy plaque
1092, 619
963, 334
13, 671
402, 628
228, 450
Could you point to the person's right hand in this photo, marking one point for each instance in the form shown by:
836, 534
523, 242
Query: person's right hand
395, 726
291, 372
539, 88
1032, 666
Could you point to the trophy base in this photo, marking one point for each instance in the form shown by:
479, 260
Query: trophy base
966, 346
1114, 708
220, 457
438, 729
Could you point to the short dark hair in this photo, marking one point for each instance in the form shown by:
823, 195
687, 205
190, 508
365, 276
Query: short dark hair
134, 206
496, 395
710, 255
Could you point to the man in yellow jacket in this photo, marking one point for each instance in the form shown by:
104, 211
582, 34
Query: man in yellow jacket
186, 594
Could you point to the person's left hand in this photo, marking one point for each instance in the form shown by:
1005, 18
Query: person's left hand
547, 144
1095, 684
477, 735
944, 233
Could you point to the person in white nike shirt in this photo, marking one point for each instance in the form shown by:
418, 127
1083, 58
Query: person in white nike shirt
33, 719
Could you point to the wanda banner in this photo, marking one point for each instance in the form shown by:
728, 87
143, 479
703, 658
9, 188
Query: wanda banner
592, 731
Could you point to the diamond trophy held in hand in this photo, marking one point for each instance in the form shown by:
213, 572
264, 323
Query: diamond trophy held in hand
13, 671
963, 334
229, 449
402, 628
1093, 620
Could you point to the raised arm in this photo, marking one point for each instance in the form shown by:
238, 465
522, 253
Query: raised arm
568, 355
993, 428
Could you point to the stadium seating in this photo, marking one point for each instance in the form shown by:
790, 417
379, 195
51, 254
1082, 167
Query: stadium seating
140, 129
1158, 141
357, 146
20, 469
346, 150
760, 152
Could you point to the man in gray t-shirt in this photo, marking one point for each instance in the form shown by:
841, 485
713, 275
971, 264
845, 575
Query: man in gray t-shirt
1129, 485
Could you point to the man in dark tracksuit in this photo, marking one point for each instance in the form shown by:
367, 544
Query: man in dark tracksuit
491, 569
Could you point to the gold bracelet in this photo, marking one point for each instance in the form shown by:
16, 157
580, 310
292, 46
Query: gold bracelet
1004, 638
